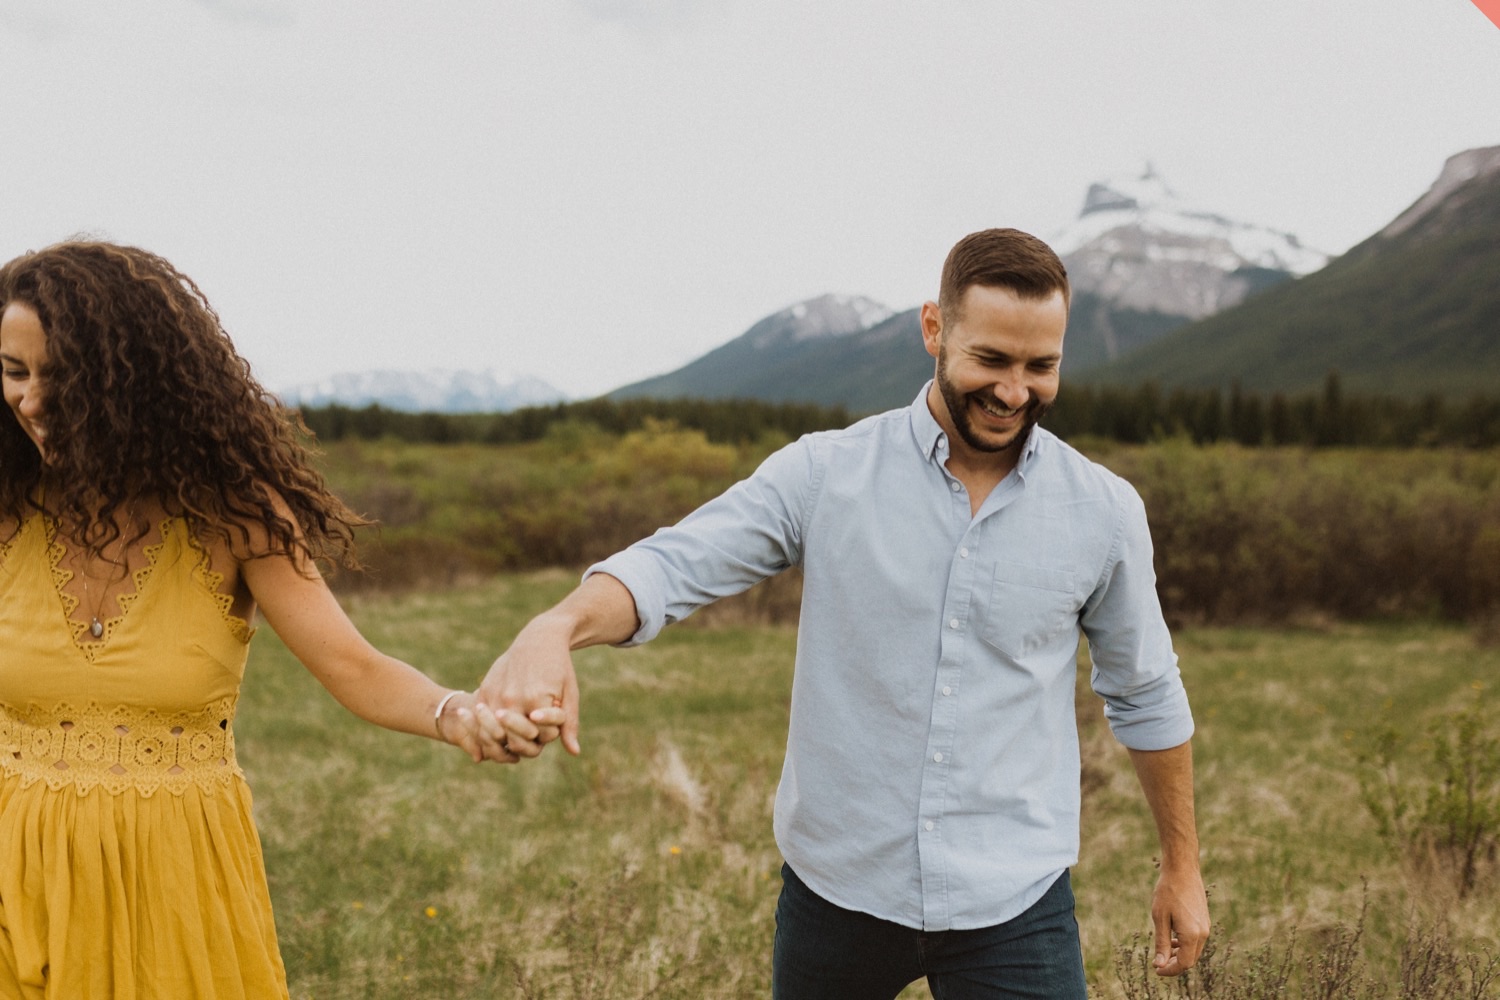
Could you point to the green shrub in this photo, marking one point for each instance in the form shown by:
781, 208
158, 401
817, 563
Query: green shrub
1243, 535
1441, 813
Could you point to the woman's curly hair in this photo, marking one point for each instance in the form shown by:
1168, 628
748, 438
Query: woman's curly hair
146, 400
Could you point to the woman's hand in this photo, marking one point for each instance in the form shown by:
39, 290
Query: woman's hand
458, 723
504, 737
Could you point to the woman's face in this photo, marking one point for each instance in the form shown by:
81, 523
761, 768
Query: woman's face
23, 352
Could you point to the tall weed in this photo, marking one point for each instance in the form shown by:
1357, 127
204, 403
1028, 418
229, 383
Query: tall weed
1442, 813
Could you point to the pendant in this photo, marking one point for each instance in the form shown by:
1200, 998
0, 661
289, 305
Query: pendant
96, 628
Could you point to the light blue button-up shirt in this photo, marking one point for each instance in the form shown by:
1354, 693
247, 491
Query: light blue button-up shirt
931, 773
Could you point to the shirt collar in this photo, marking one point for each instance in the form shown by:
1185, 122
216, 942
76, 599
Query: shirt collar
926, 431
932, 440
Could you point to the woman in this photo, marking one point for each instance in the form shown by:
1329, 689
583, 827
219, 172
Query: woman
152, 498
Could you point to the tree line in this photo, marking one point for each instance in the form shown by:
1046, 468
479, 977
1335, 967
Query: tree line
721, 421
1142, 414
1326, 418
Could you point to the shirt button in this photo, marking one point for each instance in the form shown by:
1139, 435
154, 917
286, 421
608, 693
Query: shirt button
938, 757
955, 487
929, 824
953, 623
963, 553
947, 691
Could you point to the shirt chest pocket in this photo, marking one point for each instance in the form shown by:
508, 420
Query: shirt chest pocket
1029, 607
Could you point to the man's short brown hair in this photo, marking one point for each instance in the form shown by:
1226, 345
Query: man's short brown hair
1000, 258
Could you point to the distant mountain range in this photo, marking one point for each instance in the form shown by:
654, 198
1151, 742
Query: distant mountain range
834, 349
1163, 291
435, 390
1414, 309
1142, 262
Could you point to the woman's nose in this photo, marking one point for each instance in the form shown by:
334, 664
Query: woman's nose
30, 405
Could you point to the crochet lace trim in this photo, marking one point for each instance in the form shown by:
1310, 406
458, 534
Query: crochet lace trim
120, 748
91, 646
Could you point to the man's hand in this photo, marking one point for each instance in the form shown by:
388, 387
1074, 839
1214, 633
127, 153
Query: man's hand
1179, 914
535, 675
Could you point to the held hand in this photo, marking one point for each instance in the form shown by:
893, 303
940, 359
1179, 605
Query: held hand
535, 677
508, 735
468, 724
1179, 913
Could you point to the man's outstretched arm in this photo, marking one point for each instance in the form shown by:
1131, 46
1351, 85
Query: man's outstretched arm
1179, 907
537, 670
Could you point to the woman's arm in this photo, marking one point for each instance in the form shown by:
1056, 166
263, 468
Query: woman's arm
296, 602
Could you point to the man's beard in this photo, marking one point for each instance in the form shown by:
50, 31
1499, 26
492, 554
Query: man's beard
958, 412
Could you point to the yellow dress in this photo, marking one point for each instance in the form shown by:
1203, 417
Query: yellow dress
129, 863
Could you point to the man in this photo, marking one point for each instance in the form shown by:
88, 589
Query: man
952, 551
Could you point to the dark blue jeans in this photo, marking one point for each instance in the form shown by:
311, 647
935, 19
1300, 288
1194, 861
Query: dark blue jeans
825, 952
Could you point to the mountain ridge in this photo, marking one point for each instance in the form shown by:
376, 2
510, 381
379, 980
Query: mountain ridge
1142, 262
1413, 308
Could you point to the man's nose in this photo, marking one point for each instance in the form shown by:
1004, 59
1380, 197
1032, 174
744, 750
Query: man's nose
1010, 389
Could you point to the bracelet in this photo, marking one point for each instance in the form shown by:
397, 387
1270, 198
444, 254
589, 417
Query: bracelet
437, 717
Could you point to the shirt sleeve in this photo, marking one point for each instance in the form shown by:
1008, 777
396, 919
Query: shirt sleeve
1135, 668
748, 533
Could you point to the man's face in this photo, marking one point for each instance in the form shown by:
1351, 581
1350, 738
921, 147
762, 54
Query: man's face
998, 364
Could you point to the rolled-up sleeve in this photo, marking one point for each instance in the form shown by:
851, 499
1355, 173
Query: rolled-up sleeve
750, 532
1135, 668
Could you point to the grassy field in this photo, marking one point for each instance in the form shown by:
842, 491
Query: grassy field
646, 867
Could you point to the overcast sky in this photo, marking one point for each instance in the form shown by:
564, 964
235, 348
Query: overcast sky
594, 191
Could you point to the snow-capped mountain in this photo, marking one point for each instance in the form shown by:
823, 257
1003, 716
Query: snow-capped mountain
824, 316
1142, 261
1140, 246
435, 390
1410, 311
833, 350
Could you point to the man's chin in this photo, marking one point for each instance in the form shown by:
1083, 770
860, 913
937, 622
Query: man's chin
998, 442
992, 443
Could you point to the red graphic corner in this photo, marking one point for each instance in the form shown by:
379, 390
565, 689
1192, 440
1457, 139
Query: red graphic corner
1490, 9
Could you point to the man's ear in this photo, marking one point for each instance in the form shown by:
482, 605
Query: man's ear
932, 327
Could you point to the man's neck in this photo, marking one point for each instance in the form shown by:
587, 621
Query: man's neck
982, 471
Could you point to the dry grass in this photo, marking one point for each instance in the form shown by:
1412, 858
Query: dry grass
646, 867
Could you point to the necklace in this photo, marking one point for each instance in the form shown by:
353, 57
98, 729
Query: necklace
96, 627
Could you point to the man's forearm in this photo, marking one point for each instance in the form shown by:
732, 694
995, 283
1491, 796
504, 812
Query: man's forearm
600, 611
1179, 906
1166, 778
